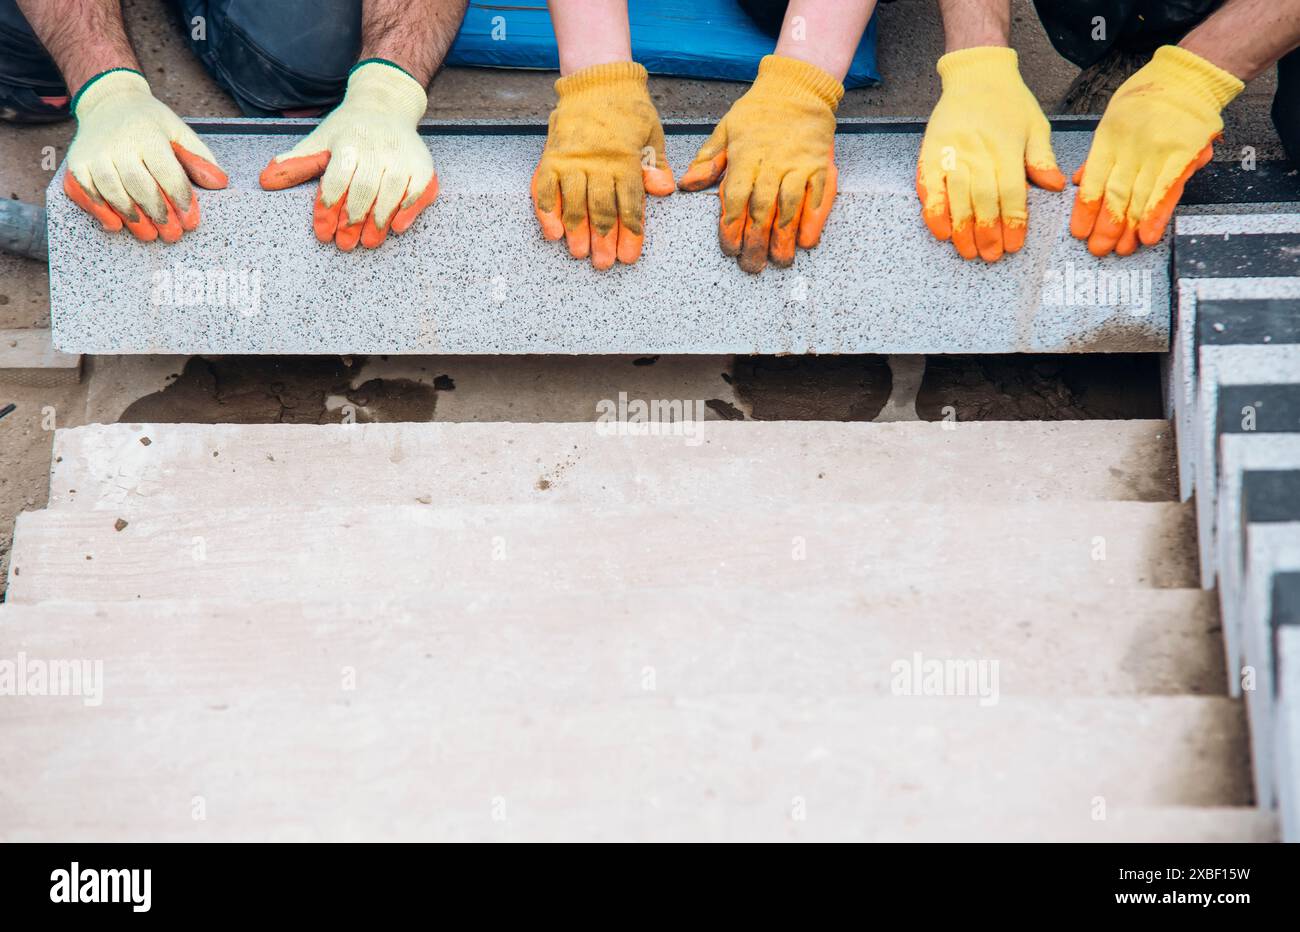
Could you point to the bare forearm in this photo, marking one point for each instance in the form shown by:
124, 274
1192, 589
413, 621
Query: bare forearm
414, 34
973, 23
824, 33
590, 32
1245, 37
84, 37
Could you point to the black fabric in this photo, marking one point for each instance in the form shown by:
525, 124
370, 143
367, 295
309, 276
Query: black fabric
1085, 30
276, 56
270, 55
766, 14
1286, 105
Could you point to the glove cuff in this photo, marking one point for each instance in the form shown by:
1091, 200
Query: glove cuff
1194, 72
381, 83
107, 84
984, 63
600, 77
792, 77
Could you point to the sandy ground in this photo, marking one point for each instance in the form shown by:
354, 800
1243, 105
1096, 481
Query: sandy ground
532, 388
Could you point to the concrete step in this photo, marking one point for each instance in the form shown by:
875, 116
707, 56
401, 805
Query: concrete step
137, 552
1243, 389
175, 466
381, 761
589, 646
27, 357
490, 288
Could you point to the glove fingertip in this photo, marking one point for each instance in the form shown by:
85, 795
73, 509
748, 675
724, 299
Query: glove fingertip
1048, 178
202, 171
282, 172
703, 174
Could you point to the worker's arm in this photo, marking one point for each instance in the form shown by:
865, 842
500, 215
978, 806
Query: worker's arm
376, 172
774, 151
604, 144
132, 159
987, 135
1160, 125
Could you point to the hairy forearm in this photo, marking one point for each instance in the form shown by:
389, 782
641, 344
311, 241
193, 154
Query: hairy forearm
590, 32
1245, 37
972, 23
824, 33
414, 34
84, 37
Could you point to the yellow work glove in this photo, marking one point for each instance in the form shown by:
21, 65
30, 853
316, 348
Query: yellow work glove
986, 135
777, 147
1157, 130
378, 173
128, 162
604, 151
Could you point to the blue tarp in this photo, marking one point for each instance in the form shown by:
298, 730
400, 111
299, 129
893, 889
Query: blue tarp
683, 38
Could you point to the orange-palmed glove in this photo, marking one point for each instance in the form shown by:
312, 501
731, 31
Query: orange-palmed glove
777, 148
986, 135
604, 151
1158, 129
132, 160
376, 173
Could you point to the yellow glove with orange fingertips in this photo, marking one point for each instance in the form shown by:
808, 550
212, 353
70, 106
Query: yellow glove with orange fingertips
777, 147
1158, 129
986, 135
604, 151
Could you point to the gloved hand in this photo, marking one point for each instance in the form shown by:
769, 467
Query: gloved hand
378, 173
604, 151
986, 135
1157, 130
777, 147
129, 160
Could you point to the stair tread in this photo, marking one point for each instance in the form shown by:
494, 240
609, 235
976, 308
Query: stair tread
186, 465
293, 551
581, 646
383, 758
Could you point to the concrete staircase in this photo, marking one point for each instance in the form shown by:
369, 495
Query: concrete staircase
513, 631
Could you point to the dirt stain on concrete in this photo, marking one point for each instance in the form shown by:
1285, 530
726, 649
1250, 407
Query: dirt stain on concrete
1042, 387
281, 390
812, 388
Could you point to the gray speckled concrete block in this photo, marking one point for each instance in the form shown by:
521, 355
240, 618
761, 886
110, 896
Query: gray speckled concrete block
1287, 734
1224, 366
1238, 453
1223, 222
1270, 549
475, 276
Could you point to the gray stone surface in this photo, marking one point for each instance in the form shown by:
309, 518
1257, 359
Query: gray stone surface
1240, 452
475, 276
1227, 365
1189, 290
1288, 733
1270, 548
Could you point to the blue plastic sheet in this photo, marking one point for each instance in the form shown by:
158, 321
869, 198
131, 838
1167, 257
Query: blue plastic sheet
682, 38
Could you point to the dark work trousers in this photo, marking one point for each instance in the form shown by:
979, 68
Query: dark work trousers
272, 56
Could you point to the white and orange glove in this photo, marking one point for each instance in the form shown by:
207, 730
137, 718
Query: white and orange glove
376, 173
132, 159
986, 136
